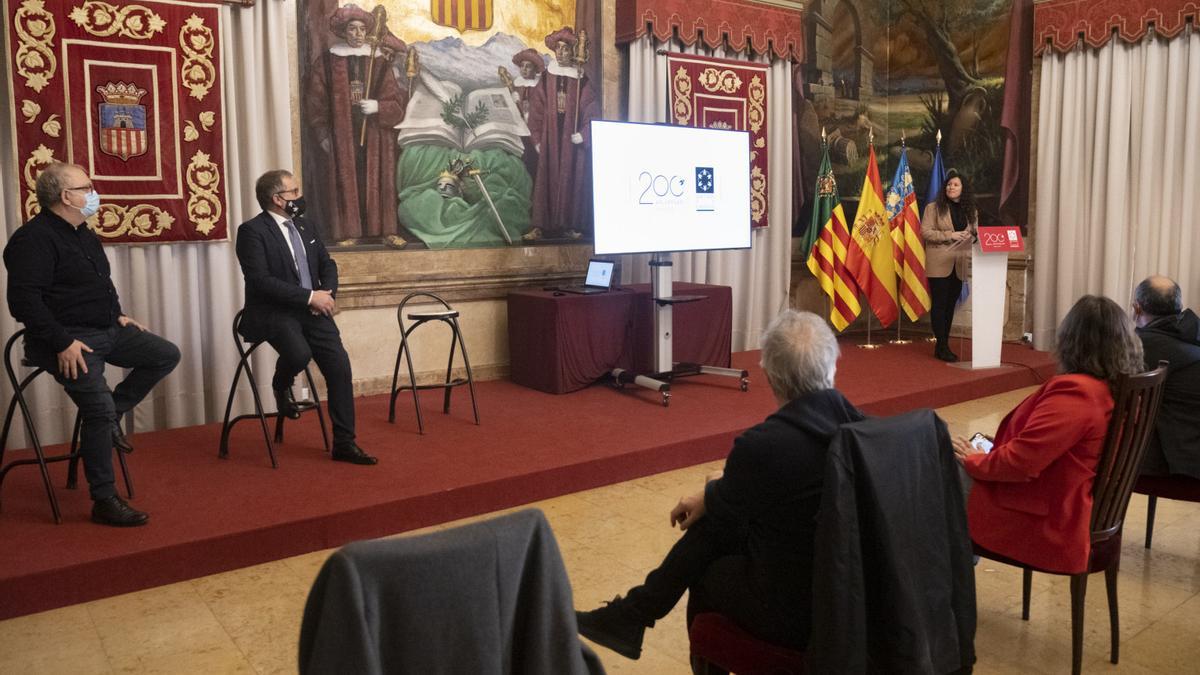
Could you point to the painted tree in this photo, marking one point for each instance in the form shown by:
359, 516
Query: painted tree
940, 20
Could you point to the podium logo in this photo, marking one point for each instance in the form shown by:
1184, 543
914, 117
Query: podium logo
706, 185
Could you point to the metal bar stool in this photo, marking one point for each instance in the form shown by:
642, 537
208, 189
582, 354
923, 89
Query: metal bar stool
244, 355
19, 385
449, 316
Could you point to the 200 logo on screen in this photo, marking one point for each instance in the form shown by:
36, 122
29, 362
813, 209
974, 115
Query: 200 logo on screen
655, 189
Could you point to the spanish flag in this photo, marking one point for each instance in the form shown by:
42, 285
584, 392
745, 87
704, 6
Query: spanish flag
827, 254
906, 232
872, 255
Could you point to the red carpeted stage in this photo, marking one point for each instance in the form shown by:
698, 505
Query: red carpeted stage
210, 515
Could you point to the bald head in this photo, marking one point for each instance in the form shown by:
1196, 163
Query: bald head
1155, 297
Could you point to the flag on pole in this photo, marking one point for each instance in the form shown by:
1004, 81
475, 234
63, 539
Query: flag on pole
906, 233
828, 238
938, 176
872, 256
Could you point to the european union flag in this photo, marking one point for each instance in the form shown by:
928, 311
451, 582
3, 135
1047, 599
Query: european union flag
705, 181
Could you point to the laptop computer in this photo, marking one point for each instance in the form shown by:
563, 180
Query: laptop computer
598, 279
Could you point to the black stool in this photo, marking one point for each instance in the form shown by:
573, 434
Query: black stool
244, 364
449, 316
18, 399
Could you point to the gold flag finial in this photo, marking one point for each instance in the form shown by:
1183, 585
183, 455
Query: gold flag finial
871, 136
822, 135
939, 137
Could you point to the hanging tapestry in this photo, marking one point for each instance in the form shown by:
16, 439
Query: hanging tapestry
722, 94
131, 91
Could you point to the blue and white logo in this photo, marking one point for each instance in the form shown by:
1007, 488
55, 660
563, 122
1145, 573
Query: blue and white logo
706, 184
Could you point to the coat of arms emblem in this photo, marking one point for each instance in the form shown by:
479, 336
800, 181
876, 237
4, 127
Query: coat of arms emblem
463, 15
122, 120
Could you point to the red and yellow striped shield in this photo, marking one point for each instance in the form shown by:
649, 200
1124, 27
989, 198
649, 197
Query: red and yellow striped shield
464, 15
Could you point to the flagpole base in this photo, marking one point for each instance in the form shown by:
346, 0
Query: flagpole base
899, 341
870, 345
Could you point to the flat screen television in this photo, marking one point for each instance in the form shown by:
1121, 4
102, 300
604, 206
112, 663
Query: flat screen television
659, 188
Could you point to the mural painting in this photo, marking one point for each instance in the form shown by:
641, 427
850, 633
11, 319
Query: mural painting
905, 69
433, 124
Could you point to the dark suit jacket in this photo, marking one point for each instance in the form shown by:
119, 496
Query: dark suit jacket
1174, 446
893, 581
487, 598
272, 284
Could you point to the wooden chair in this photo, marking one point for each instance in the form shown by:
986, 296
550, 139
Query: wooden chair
719, 646
1182, 488
1135, 406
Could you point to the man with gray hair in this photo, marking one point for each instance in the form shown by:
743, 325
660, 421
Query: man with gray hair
1171, 333
747, 547
60, 287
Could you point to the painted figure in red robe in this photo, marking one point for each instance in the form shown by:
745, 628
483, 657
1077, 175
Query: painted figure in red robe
358, 186
562, 186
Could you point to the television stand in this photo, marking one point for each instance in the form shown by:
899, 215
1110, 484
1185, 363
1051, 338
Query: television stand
666, 369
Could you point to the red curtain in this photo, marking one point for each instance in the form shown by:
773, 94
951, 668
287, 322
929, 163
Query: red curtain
722, 94
132, 92
1059, 25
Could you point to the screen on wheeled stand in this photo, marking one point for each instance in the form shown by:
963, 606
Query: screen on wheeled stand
659, 188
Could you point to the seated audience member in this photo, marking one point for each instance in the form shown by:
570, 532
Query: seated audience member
61, 289
747, 546
1032, 494
1171, 333
291, 281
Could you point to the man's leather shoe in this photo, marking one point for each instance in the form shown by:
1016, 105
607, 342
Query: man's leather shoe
114, 511
119, 441
350, 452
286, 404
942, 352
612, 626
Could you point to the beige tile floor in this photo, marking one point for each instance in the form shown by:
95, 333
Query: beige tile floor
248, 620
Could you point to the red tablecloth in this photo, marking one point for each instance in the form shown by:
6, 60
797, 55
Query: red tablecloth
562, 343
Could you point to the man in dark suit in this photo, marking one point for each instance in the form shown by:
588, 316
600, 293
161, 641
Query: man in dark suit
747, 547
291, 282
1171, 333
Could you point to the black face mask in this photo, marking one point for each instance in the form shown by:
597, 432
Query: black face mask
294, 207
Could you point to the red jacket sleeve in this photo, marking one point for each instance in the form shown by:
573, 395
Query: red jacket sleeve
1068, 410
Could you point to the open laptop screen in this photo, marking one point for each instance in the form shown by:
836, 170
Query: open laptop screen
599, 273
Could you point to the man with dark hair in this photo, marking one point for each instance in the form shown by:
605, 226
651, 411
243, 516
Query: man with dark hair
291, 282
748, 542
1171, 333
60, 287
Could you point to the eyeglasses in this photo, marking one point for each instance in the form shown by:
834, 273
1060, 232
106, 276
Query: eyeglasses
294, 190
86, 188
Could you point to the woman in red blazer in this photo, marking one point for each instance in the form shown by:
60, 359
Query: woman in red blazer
1032, 494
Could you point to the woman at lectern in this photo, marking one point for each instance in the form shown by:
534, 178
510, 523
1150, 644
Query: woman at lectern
948, 227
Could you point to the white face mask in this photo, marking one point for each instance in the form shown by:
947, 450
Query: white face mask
91, 204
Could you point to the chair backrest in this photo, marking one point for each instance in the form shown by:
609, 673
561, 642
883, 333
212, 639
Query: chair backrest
1135, 407
414, 296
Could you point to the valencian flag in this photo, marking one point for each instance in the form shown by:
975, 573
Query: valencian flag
463, 15
906, 233
872, 257
828, 238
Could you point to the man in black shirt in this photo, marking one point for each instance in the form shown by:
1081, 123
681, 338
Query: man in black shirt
747, 547
1171, 333
60, 288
